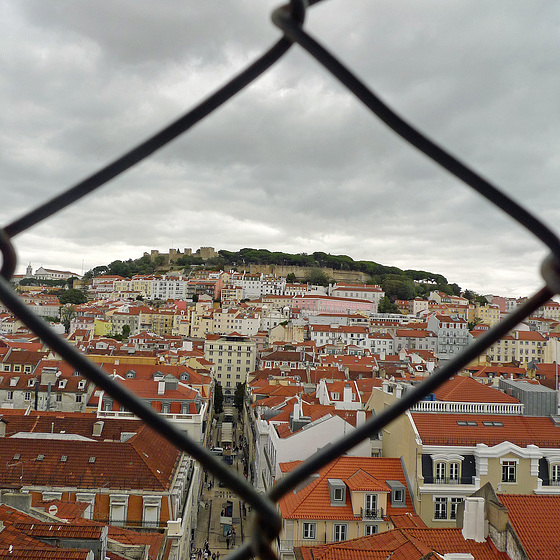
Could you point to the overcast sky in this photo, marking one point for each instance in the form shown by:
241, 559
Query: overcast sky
293, 163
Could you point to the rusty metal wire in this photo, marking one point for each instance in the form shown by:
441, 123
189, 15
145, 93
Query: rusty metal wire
289, 19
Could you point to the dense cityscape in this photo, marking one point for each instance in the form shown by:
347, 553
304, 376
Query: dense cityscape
264, 364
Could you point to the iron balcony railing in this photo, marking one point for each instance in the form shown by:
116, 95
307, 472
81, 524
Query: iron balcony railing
289, 19
448, 480
371, 513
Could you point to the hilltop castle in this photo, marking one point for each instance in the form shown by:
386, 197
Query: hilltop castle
204, 253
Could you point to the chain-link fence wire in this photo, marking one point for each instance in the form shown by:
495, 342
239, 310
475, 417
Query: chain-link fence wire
268, 522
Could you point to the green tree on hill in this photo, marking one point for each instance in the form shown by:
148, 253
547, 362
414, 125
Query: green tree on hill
72, 296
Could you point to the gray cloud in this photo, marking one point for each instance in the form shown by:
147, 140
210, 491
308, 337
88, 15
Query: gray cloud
293, 163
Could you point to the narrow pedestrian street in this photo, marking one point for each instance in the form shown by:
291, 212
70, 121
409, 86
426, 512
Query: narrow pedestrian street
223, 518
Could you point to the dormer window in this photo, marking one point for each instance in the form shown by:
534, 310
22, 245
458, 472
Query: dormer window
81, 384
337, 492
30, 382
62, 383
398, 493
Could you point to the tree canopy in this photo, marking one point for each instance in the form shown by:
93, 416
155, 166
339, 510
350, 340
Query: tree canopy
72, 296
397, 283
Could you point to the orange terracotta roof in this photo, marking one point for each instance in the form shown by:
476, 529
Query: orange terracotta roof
446, 429
406, 520
363, 481
467, 389
536, 522
64, 509
405, 544
145, 461
313, 501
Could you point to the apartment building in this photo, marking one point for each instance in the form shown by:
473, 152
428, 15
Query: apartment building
519, 346
234, 357
452, 334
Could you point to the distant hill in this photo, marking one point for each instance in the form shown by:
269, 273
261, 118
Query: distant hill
317, 267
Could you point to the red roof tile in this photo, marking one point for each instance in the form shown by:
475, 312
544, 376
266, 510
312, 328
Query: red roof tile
467, 389
445, 429
536, 522
313, 501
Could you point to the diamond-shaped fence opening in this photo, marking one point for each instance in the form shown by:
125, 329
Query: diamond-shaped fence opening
289, 19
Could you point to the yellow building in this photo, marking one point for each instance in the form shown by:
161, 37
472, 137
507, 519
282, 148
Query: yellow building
102, 327
488, 314
448, 456
351, 497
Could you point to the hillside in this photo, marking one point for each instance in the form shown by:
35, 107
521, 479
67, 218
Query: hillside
317, 267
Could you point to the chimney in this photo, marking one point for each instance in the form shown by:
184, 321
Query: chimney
360, 418
2, 427
297, 409
161, 388
347, 394
474, 526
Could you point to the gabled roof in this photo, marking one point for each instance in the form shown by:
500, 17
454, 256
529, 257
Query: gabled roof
313, 501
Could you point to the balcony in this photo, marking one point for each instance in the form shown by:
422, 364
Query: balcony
371, 513
447, 480
551, 483
468, 407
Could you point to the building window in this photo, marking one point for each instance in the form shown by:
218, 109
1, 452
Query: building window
440, 508
10, 395
509, 471
58, 397
370, 530
371, 506
340, 532
27, 396
454, 473
440, 472
453, 507
555, 475
338, 495
78, 398
309, 530
118, 507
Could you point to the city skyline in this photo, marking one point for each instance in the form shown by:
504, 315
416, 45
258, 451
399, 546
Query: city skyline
292, 163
